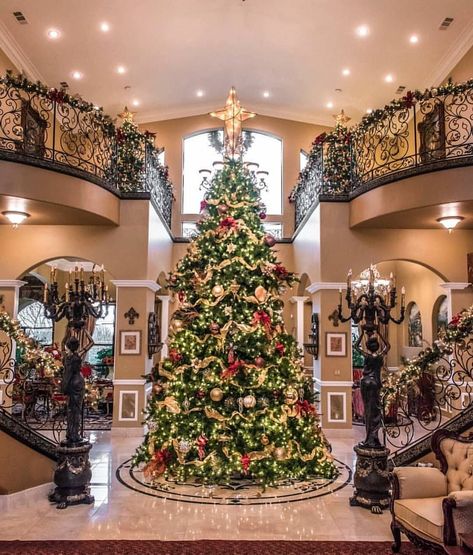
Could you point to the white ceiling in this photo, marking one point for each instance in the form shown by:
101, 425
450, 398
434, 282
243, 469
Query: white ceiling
296, 49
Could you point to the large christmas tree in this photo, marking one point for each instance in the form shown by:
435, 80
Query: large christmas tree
231, 397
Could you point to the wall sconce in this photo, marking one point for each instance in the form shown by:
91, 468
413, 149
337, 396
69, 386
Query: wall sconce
313, 347
15, 217
449, 222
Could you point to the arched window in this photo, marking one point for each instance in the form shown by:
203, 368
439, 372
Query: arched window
35, 324
414, 326
202, 149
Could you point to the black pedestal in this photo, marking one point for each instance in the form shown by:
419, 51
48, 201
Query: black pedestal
72, 476
371, 479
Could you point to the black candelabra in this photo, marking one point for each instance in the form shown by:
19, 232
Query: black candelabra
371, 301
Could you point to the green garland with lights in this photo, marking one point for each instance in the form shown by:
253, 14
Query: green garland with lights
231, 397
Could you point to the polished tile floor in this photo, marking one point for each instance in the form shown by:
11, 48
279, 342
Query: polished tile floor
119, 513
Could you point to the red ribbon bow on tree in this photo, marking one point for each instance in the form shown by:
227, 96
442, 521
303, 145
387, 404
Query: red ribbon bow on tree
263, 318
232, 370
158, 463
201, 444
175, 355
203, 205
304, 408
280, 349
280, 271
245, 463
228, 223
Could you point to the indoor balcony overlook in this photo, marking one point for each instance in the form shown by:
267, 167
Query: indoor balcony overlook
57, 132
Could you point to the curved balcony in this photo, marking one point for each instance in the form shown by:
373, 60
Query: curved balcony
421, 132
51, 129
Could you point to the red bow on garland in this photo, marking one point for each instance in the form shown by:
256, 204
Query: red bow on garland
158, 463
304, 408
228, 223
232, 370
263, 318
56, 96
245, 463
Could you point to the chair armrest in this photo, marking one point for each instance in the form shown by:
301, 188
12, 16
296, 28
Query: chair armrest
462, 498
412, 482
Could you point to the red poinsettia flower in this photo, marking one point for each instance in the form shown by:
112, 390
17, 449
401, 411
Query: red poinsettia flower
304, 408
280, 271
175, 355
86, 370
203, 205
280, 349
231, 370
228, 223
455, 320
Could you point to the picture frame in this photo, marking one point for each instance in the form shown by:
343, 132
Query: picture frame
130, 342
335, 344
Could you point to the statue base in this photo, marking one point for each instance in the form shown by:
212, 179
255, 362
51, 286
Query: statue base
371, 479
72, 476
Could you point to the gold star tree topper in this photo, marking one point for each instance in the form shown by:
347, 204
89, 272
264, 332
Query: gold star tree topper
341, 118
233, 115
126, 115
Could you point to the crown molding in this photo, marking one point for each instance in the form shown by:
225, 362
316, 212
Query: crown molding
148, 283
16, 54
451, 57
325, 286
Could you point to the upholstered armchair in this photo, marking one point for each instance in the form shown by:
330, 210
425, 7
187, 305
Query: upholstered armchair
434, 507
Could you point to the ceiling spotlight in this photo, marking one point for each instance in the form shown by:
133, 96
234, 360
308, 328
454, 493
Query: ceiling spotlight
77, 75
449, 222
389, 78
346, 72
200, 93
15, 217
266, 94
369, 110
104, 27
53, 34
363, 30
121, 70
413, 39
135, 102
329, 104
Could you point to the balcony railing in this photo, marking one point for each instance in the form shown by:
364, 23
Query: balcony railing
54, 130
418, 133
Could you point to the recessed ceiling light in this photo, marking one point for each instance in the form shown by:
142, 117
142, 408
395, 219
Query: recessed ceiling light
104, 27
389, 78
135, 102
200, 93
413, 39
369, 110
363, 30
329, 104
77, 75
346, 72
121, 69
15, 217
266, 94
53, 34
449, 222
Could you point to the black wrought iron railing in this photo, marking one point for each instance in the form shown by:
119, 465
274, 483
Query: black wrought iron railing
418, 133
55, 130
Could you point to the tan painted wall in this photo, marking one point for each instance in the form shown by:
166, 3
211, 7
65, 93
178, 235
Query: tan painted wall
464, 69
6, 63
295, 136
21, 467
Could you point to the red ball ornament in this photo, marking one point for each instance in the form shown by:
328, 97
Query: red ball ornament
200, 394
259, 361
262, 215
269, 240
222, 209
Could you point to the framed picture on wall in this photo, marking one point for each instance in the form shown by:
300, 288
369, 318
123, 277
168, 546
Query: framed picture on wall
336, 344
130, 342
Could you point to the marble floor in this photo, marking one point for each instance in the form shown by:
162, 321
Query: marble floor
120, 513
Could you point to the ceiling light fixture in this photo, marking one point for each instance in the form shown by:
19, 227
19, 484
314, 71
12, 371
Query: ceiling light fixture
266, 94
121, 70
15, 217
346, 72
77, 75
200, 93
363, 30
413, 39
389, 78
53, 34
135, 102
104, 27
449, 222
329, 104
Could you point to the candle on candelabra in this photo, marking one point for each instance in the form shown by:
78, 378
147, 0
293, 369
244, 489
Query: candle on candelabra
45, 293
403, 296
340, 296
82, 273
76, 270
103, 275
349, 278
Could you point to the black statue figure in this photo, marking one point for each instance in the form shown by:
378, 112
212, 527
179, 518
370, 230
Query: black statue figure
371, 387
73, 385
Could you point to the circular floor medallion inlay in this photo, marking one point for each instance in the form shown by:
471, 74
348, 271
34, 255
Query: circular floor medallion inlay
238, 492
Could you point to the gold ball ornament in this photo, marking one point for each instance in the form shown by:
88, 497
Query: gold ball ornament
264, 439
280, 453
261, 293
291, 395
249, 401
177, 325
216, 394
218, 291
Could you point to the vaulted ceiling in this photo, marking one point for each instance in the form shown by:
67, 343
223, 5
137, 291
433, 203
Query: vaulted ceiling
295, 50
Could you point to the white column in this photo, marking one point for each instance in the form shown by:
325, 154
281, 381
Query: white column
450, 286
299, 302
165, 300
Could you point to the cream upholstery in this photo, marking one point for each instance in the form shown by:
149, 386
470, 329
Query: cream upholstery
459, 458
418, 483
422, 516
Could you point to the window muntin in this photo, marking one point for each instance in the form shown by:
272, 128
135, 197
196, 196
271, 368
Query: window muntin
103, 335
35, 324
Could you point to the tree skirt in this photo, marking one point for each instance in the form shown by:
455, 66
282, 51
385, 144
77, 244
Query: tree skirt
203, 547
236, 492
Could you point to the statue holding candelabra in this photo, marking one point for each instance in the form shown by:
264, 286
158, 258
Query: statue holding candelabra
370, 301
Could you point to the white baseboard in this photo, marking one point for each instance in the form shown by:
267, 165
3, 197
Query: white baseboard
132, 431
26, 497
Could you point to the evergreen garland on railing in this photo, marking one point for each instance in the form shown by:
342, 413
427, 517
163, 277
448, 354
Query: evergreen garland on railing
460, 327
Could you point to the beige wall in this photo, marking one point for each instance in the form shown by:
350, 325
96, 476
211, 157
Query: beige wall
464, 69
295, 136
6, 63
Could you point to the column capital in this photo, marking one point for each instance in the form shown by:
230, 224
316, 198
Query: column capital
455, 285
326, 286
164, 298
145, 283
13, 283
299, 299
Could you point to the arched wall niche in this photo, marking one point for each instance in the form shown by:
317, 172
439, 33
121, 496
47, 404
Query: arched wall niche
439, 316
